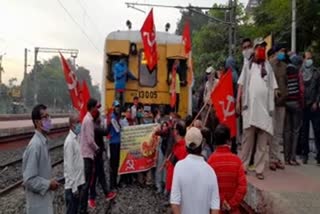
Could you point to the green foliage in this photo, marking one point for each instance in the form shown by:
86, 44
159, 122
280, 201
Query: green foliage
210, 38
49, 83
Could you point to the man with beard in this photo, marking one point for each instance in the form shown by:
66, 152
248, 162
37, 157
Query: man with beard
257, 86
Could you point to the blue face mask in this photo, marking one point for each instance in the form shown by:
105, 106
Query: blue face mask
281, 56
77, 128
308, 63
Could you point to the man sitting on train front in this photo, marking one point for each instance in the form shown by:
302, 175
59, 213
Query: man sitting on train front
121, 75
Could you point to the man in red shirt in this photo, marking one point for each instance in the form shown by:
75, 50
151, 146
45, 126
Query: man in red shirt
179, 152
228, 167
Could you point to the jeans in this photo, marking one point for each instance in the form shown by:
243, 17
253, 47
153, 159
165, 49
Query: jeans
88, 169
308, 116
100, 175
292, 128
72, 201
114, 164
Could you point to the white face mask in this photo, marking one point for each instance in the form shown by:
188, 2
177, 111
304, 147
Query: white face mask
247, 53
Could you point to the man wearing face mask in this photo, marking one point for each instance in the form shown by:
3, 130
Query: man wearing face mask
247, 50
258, 84
311, 108
114, 129
88, 148
277, 57
36, 166
73, 166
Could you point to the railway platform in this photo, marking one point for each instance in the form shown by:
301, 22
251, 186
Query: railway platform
293, 190
18, 127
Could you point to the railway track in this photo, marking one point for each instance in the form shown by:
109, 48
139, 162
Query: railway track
25, 136
18, 183
19, 160
10, 172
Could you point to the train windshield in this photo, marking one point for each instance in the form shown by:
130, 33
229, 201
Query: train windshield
147, 78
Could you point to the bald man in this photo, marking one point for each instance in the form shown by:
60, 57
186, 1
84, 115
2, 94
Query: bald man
73, 166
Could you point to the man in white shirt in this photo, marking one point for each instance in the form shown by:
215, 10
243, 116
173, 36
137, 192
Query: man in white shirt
257, 86
73, 166
194, 188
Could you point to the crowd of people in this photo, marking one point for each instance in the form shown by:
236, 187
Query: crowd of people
198, 167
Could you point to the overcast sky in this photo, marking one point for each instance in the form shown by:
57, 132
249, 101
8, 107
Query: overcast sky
44, 23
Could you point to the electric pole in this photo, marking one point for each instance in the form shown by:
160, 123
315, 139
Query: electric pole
1, 68
230, 28
293, 27
25, 62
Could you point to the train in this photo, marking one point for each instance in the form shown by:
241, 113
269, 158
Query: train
152, 87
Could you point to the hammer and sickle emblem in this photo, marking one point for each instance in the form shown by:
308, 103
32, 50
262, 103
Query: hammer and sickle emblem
150, 42
227, 112
73, 84
130, 165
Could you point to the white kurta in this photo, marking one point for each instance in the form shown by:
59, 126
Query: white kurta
257, 112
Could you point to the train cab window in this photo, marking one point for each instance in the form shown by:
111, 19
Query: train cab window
182, 70
111, 61
147, 78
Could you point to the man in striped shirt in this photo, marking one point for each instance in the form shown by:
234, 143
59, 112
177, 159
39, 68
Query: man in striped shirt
228, 167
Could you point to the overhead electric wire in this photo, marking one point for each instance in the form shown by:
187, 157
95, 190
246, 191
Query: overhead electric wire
79, 26
89, 17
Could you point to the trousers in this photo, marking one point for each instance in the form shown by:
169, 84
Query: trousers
261, 150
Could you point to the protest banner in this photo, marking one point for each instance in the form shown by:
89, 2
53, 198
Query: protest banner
138, 148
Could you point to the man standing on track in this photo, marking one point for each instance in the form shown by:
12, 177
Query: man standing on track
229, 170
73, 166
195, 188
114, 129
36, 166
88, 149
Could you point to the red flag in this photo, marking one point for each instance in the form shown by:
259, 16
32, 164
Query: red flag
186, 38
85, 98
224, 103
148, 35
173, 97
72, 83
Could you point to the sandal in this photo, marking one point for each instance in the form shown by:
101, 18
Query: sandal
273, 166
280, 165
260, 176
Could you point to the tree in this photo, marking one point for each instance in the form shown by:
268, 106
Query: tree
274, 16
50, 84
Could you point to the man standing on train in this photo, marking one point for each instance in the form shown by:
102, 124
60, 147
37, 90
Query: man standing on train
36, 166
121, 74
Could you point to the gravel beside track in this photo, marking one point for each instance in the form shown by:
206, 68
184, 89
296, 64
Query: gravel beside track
132, 199
13, 173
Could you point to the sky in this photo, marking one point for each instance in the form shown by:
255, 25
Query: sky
45, 23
